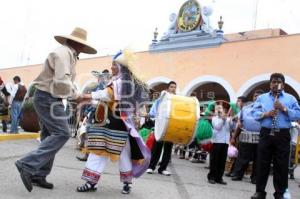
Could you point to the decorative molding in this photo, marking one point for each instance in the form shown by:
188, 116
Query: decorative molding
158, 80
189, 40
192, 85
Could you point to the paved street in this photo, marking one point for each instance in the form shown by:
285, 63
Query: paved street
187, 182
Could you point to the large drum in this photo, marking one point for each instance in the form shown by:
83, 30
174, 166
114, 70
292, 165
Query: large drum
177, 119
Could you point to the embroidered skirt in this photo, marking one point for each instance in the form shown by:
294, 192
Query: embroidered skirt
106, 142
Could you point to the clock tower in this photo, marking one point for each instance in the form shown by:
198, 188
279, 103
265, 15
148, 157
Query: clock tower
189, 17
189, 28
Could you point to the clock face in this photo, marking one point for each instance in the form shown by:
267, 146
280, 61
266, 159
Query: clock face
189, 16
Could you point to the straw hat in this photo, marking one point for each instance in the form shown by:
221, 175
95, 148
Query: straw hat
78, 35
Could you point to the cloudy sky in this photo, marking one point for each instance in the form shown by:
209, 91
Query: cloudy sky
28, 26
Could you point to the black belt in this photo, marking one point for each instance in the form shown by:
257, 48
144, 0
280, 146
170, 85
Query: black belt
282, 130
49, 94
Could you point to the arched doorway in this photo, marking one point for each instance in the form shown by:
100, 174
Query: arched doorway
156, 90
160, 87
262, 82
211, 91
158, 83
265, 86
210, 88
207, 92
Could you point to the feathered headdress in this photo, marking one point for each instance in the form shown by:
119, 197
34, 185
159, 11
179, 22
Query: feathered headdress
126, 58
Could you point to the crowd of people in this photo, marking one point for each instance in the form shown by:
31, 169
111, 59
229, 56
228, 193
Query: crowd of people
233, 125
11, 99
257, 131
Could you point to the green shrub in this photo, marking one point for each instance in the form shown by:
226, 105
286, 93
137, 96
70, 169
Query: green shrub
28, 105
31, 90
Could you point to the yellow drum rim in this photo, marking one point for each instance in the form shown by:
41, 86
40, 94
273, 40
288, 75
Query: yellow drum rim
197, 121
167, 95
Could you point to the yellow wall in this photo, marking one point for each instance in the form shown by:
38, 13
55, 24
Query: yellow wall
235, 62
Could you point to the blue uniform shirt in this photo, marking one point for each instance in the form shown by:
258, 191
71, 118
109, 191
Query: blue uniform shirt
154, 108
247, 119
265, 103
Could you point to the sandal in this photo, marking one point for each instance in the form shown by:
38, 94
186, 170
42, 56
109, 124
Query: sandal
126, 189
86, 187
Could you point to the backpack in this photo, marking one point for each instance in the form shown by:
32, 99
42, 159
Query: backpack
20, 93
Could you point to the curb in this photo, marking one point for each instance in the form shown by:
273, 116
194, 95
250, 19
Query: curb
20, 136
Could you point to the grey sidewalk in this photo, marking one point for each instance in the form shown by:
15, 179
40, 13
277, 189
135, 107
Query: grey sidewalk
187, 182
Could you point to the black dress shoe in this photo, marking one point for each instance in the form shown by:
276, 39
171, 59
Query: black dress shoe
211, 181
253, 181
41, 182
229, 175
222, 182
278, 196
236, 178
25, 176
258, 195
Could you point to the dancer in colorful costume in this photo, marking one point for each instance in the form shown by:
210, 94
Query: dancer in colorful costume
88, 109
116, 137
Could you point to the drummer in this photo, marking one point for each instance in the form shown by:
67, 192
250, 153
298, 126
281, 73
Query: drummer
158, 146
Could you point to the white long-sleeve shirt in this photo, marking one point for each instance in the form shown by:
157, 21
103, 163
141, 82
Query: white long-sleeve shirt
12, 89
221, 129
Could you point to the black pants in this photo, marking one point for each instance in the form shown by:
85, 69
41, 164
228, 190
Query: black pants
292, 159
156, 152
217, 161
247, 153
276, 148
194, 146
4, 125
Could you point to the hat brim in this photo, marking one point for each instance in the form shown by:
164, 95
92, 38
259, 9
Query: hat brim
99, 74
87, 48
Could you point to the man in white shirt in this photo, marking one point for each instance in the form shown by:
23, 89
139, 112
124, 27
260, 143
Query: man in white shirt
159, 145
18, 91
55, 82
